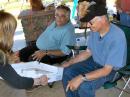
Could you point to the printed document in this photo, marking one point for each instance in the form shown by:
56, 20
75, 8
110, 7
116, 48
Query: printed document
35, 69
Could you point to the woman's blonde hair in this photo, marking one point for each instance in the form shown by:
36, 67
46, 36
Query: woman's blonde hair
8, 25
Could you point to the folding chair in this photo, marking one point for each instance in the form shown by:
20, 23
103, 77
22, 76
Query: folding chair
123, 73
76, 49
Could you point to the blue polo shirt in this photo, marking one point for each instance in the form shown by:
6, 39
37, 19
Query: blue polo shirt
111, 49
56, 38
125, 19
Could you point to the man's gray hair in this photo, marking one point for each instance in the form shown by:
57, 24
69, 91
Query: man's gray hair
65, 8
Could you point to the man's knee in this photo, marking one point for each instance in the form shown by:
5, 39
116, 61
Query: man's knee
86, 89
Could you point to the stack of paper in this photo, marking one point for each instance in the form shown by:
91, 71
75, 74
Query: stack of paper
35, 69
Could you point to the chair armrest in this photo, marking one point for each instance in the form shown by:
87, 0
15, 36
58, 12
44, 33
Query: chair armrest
77, 47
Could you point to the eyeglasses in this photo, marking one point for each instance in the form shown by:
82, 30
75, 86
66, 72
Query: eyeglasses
94, 20
90, 23
60, 16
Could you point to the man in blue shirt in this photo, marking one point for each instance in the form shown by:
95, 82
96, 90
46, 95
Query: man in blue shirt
123, 10
51, 45
105, 54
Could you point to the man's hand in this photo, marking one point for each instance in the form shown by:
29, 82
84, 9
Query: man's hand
74, 83
38, 55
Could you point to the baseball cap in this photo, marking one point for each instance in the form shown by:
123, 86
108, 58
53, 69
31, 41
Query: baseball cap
95, 8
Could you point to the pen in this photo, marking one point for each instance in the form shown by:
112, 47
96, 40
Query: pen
67, 88
39, 61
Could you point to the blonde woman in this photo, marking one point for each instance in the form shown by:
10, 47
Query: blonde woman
7, 28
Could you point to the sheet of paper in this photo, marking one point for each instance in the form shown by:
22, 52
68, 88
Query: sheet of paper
35, 69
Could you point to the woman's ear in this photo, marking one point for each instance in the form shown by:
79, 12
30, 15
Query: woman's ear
3, 58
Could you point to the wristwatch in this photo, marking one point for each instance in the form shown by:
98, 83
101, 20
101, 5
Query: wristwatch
84, 77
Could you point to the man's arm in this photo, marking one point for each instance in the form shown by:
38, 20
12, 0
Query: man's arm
75, 82
99, 72
81, 57
55, 52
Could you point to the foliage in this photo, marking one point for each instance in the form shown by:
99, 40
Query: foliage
10, 5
